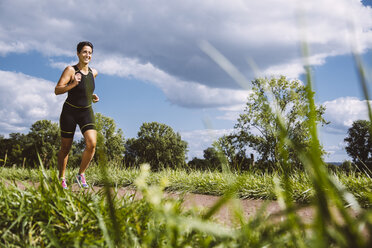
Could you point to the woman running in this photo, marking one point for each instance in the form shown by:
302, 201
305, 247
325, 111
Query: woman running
78, 81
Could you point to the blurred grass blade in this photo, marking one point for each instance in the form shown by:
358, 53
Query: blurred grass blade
103, 163
363, 82
225, 64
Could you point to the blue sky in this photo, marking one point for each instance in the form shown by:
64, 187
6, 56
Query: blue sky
152, 68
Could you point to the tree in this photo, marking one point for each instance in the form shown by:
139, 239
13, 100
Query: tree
18, 148
8, 151
130, 154
211, 155
258, 127
211, 161
199, 164
158, 145
24, 149
110, 140
234, 151
44, 140
359, 143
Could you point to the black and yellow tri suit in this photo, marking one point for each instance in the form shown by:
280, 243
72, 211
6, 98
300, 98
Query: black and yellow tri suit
77, 109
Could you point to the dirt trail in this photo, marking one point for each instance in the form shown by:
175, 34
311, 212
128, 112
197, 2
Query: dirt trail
224, 215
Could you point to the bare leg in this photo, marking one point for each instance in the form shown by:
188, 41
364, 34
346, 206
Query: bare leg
63, 155
90, 137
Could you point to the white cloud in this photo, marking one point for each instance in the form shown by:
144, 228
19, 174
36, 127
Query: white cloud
164, 34
294, 68
342, 112
336, 153
335, 149
231, 113
183, 93
199, 140
24, 100
12, 47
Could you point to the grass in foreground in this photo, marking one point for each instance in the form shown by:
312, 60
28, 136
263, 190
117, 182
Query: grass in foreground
49, 216
252, 185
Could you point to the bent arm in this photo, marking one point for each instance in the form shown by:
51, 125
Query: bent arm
63, 84
95, 98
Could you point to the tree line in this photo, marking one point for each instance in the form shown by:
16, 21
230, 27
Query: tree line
271, 102
156, 144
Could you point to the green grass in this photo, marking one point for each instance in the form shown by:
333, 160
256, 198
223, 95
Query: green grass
49, 216
251, 184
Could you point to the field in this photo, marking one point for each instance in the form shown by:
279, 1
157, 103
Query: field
50, 216
250, 184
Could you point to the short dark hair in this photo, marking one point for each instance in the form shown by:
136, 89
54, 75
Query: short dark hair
83, 44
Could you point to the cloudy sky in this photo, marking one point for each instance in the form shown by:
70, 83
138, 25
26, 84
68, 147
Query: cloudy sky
154, 62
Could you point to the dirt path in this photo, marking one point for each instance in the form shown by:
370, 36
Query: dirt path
224, 215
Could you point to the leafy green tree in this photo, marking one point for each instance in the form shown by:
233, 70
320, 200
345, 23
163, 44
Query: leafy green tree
112, 139
130, 154
21, 150
347, 166
199, 164
211, 155
359, 143
18, 144
158, 145
44, 139
211, 160
258, 127
6, 149
234, 151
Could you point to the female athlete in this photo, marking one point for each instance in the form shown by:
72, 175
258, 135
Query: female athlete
78, 82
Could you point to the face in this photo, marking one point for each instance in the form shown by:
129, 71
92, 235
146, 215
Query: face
85, 54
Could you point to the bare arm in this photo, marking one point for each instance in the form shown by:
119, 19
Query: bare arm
95, 98
95, 72
67, 76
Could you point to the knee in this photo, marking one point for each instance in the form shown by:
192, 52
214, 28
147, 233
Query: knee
91, 146
65, 150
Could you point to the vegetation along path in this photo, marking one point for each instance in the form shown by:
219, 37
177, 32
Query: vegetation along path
203, 202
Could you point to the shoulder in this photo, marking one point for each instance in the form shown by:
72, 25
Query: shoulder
94, 71
69, 70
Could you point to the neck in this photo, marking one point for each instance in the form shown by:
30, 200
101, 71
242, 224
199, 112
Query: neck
82, 66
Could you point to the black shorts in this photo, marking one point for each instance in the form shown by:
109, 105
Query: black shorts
70, 116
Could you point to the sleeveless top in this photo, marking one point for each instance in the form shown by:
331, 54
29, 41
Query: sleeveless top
81, 95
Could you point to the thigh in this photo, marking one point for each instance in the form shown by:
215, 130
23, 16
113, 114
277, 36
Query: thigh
67, 122
86, 120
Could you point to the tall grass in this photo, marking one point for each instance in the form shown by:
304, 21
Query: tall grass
250, 184
50, 216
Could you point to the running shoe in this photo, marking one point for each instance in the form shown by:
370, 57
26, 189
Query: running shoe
63, 183
80, 179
